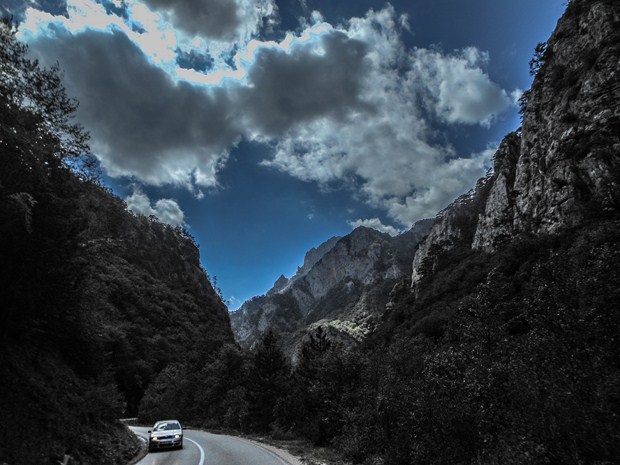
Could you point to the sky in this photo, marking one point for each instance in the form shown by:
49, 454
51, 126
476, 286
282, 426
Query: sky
265, 127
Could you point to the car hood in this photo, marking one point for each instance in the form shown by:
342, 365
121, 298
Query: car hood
169, 432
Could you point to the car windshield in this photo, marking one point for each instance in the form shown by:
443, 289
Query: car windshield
167, 426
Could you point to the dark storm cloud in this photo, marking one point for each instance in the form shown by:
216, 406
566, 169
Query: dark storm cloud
145, 125
218, 19
142, 122
305, 84
17, 8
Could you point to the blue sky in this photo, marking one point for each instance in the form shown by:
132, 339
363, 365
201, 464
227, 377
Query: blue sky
266, 127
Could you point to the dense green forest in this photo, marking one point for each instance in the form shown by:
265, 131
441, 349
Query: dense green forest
95, 300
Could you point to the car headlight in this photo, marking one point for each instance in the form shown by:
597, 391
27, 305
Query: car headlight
153, 438
177, 436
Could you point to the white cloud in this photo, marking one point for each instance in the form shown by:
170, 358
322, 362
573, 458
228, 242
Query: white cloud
233, 303
144, 125
167, 210
154, 37
375, 223
383, 147
446, 182
226, 20
456, 87
340, 105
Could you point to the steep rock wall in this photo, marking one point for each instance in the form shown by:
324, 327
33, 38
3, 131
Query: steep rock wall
563, 165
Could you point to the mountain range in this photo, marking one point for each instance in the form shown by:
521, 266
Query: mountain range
342, 288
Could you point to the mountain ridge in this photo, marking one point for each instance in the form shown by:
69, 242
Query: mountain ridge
333, 289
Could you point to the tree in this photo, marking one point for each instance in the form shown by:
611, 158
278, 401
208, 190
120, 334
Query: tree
55, 383
539, 58
41, 151
37, 115
268, 381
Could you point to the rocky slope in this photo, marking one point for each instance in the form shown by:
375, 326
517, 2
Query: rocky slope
343, 287
562, 167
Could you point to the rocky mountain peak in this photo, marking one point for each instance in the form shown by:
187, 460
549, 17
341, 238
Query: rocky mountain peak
342, 287
311, 258
280, 284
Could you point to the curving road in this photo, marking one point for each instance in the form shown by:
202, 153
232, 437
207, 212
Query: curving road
202, 448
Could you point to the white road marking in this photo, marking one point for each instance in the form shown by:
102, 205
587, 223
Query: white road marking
202, 451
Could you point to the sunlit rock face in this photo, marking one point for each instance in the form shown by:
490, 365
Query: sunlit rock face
342, 287
562, 167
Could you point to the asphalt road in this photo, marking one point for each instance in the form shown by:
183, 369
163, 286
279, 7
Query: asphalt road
201, 448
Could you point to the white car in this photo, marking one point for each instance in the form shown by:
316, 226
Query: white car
166, 434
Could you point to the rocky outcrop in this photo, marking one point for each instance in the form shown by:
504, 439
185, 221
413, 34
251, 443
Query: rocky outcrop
280, 284
313, 256
562, 167
453, 226
568, 162
344, 285
496, 223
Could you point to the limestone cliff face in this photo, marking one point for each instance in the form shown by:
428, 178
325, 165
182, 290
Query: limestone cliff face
568, 162
452, 226
343, 285
364, 256
314, 255
496, 223
563, 165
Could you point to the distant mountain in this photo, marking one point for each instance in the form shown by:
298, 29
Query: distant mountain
343, 287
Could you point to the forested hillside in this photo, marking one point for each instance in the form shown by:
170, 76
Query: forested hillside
95, 300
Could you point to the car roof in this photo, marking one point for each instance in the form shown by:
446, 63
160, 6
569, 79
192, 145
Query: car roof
167, 421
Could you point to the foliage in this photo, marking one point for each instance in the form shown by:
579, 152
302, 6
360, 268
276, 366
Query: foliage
268, 381
508, 357
87, 289
541, 54
518, 375
514, 364
34, 104
322, 389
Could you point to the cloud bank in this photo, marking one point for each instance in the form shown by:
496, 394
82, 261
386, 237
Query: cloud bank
166, 210
346, 106
375, 223
226, 20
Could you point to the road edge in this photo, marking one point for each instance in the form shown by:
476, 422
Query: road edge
285, 456
143, 448
281, 454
